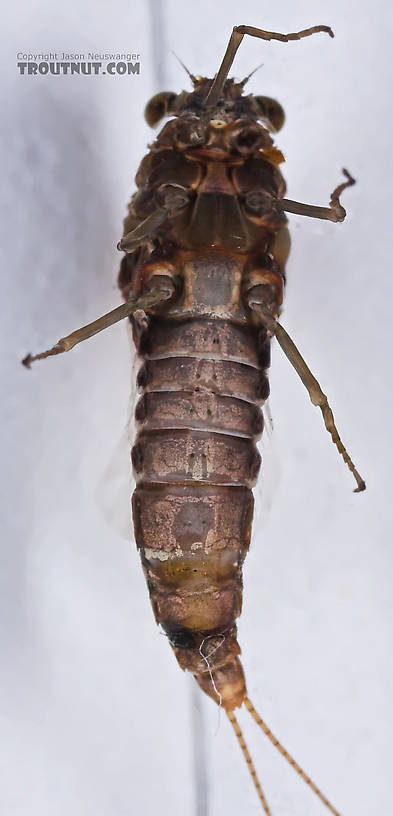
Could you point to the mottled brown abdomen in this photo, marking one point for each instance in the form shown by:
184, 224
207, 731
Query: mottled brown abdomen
195, 461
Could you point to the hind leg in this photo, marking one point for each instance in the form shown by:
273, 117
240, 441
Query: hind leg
317, 397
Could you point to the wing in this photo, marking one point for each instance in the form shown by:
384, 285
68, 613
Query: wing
116, 484
270, 474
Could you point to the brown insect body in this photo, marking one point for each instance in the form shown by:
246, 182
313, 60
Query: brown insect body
206, 244
204, 375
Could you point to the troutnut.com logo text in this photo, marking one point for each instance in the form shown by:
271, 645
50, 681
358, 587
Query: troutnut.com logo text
74, 63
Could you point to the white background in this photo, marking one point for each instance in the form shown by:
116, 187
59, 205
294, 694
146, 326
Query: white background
97, 714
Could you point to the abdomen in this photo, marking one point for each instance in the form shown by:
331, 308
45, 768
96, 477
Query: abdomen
195, 461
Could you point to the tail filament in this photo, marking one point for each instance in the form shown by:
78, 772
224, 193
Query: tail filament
251, 768
287, 756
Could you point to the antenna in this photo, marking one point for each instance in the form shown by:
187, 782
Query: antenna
192, 77
245, 80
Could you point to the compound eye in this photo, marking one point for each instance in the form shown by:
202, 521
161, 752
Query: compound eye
271, 110
159, 106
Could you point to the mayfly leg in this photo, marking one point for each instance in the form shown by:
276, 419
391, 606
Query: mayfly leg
334, 212
235, 40
174, 198
316, 394
143, 231
162, 291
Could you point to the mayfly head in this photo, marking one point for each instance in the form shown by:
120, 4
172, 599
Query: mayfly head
237, 125
230, 106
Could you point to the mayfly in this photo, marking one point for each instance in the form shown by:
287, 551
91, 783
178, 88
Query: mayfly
203, 274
